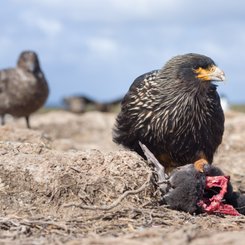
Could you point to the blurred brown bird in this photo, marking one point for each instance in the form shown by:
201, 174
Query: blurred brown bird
82, 103
175, 112
23, 89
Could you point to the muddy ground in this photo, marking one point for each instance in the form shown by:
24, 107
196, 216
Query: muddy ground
66, 182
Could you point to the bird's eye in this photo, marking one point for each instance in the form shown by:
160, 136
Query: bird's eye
195, 67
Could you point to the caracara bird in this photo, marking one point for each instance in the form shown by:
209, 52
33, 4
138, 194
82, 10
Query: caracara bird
175, 112
23, 89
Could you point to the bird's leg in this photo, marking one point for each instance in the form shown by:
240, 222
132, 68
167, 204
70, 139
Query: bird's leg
201, 162
3, 119
27, 122
162, 180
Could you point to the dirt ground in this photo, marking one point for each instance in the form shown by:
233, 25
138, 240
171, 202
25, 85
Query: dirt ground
66, 182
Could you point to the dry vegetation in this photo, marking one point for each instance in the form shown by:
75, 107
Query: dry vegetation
65, 181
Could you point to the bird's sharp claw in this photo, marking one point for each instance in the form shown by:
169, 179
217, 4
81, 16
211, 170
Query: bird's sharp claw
199, 164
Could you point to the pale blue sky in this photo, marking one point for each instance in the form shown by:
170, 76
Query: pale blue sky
98, 47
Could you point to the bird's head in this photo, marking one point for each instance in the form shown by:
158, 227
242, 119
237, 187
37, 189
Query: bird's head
194, 68
28, 61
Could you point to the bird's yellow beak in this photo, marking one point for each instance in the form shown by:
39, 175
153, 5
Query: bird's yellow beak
212, 73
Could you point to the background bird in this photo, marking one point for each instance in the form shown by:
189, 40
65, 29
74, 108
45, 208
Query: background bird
174, 111
78, 104
23, 89
82, 103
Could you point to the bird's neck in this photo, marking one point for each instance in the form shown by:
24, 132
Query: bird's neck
186, 97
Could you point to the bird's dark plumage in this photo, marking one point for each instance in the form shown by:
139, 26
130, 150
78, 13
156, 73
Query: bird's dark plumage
174, 111
23, 89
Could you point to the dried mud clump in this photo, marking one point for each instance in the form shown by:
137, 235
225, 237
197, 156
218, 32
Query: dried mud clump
43, 180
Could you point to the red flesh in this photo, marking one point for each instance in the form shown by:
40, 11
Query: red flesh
215, 204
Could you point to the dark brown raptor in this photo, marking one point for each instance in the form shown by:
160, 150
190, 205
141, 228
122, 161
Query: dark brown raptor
175, 112
23, 89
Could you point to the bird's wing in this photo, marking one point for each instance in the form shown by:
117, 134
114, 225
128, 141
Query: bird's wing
139, 81
9, 81
9, 78
4, 79
139, 85
86, 99
129, 126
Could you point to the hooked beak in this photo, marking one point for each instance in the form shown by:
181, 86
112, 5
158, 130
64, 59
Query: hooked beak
212, 73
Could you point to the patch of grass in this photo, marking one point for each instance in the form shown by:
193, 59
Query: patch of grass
238, 107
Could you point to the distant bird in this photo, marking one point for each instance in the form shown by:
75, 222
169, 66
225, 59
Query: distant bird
23, 89
82, 103
110, 106
78, 104
175, 112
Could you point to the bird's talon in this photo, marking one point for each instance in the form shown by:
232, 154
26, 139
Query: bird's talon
199, 164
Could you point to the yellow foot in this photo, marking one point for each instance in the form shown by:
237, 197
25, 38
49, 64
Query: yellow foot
199, 164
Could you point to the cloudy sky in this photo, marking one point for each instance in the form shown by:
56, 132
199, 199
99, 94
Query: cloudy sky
98, 47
